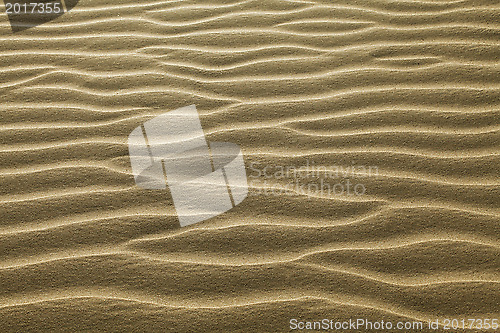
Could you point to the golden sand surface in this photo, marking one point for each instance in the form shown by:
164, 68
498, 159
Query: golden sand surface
410, 88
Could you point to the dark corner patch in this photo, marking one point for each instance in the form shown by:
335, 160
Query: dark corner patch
25, 14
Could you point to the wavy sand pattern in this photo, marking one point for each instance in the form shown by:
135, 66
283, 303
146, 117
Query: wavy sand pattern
410, 87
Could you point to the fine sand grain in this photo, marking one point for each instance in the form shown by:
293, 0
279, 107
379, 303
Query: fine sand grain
409, 88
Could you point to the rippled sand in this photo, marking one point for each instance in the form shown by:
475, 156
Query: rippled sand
409, 87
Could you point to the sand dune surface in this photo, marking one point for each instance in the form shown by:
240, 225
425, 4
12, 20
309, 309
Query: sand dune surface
401, 98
